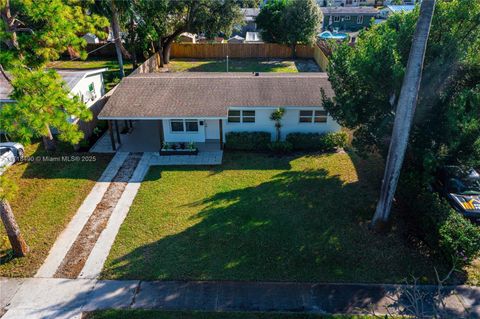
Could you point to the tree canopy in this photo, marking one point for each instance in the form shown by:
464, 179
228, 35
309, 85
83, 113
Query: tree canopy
367, 79
289, 21
165, 20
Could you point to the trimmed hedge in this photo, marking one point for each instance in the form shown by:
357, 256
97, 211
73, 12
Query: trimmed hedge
248, 141
440, 226
317, 142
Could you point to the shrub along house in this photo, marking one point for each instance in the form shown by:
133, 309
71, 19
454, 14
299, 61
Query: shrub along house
205, 107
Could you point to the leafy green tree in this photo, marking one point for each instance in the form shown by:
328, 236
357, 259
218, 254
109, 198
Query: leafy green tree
32, 34
42, 102
367, 79
248, 3
167, 19
290, 22
277, 116
37, 32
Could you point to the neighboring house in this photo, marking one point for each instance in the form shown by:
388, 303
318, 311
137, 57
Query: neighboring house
204, 107
349, 3
253, 37
236, 39
91, 38
187, 37
347, 18
87, 84
249, 24
391, 9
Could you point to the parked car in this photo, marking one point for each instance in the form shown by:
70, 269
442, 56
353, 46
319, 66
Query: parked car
10, 152
461, 187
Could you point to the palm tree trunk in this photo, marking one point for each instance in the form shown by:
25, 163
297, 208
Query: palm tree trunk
404, 115
19, 246
116, 35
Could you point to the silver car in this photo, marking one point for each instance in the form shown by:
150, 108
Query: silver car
10, 152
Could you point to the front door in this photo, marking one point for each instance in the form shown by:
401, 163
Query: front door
212, 130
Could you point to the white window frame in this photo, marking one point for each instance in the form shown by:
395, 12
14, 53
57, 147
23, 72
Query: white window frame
359, 19
336, 18
347, 18
184, 126
320, 115
241, 117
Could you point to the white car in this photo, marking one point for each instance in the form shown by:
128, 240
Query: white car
10, 153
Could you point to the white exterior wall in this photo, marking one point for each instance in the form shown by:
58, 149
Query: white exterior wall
175, 137
290, 123
82, 87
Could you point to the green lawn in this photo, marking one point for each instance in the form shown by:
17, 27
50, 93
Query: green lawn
156, 314
48, 196
258, 217
243, 65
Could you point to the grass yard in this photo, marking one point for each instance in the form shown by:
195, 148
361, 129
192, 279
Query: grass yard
243, 65
258, 217
156, 314
49, 194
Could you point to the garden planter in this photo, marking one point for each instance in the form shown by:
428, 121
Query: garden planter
164, 152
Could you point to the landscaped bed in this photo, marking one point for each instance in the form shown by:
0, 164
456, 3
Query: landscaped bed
49, 194
260, 217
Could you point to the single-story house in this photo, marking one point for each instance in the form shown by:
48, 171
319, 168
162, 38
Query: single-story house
391, 9
347, 18
87, 84
236, 39
203, 107
187, 37
253, 37
349, 3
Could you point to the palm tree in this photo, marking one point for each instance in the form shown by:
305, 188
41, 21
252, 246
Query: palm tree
404, 115
277, 116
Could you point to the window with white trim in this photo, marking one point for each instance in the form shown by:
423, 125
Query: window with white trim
313, 116
336, 19
359, 19
180, 126
241, 116
347, 18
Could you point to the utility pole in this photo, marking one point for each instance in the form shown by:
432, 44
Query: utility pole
404, 114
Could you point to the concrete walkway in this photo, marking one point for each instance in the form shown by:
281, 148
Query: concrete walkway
73, 229
68, 298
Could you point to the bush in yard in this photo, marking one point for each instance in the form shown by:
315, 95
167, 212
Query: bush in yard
281, 147
248, 141
317, 142
440, 226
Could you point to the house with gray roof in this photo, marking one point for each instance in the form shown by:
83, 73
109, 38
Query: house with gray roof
203, 107
347, 18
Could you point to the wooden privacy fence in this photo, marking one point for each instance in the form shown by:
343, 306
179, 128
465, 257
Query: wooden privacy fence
320, 57
238, 50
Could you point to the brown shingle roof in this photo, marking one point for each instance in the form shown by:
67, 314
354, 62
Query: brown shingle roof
160, 95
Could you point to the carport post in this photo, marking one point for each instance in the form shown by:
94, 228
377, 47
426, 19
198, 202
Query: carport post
112, 138
160, 131
117, 130
220, 125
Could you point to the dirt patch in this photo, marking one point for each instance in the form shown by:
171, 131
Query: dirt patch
76, 257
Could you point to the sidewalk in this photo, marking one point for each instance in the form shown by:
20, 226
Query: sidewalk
68, 298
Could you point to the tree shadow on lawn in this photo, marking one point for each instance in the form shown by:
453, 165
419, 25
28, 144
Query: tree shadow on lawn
297, 226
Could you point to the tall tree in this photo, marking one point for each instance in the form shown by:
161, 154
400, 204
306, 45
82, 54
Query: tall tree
19, 246
404, 114
290, 22
32, 34
42, 102
170, 18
